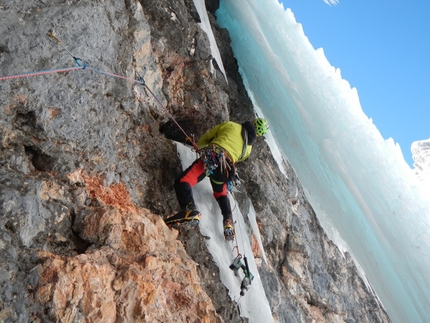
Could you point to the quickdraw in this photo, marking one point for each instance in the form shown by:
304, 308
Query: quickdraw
214, 157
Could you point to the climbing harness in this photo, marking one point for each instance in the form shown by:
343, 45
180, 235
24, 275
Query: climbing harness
214, 157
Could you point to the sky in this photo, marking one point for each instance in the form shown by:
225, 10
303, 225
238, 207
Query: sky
382, 48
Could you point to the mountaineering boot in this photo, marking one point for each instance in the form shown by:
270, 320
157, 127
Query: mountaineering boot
191, 207
189, 216
228, 229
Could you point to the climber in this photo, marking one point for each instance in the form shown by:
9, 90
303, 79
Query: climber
220, 148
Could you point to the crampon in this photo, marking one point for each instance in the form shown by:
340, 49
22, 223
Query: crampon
184, 219
229, 233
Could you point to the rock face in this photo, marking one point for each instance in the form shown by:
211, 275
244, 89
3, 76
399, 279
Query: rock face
87, 169
126, 276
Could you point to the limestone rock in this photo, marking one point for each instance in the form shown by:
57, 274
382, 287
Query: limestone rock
139, 272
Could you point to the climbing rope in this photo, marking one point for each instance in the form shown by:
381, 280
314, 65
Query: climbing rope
28, 74
82, 65
236, 240
187, 137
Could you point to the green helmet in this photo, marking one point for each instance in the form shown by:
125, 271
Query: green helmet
261, 126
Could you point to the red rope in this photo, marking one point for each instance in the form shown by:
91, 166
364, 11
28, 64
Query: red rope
61, 70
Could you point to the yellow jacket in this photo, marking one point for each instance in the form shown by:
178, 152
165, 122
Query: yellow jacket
228, 136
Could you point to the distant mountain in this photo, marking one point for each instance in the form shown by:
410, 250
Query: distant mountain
421, 156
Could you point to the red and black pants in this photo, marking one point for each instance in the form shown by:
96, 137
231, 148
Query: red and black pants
195, 174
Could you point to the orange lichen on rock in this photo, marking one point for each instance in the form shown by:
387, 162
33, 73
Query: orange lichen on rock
256, 251
130, 277
115, 195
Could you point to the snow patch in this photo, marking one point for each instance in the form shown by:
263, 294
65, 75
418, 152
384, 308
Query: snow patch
206, 27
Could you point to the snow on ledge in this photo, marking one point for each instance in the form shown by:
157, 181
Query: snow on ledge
206, 27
